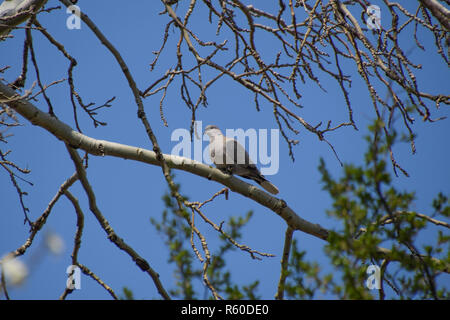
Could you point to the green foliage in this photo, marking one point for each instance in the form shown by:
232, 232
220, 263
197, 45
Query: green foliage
372, 211
177, 233
305, 281
127, 294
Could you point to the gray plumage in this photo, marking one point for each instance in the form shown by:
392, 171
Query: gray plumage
230, 156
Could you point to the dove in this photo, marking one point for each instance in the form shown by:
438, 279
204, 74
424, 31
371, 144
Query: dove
230, 156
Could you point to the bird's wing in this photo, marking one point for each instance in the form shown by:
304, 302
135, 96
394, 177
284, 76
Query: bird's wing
217, 150
236, 153
235, 158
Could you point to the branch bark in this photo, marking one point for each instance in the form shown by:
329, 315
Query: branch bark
112, 235
64, 132
441, 13
284, 263
13, 13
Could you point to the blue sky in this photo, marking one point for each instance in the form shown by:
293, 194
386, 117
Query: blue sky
129, 193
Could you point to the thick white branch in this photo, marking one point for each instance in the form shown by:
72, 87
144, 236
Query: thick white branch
14, 12
96, 147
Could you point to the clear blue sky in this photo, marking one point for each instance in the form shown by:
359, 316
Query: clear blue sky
129, 193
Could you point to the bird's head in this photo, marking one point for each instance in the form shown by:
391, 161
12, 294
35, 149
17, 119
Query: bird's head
212, 131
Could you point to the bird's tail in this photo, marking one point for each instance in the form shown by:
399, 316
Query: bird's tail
269, 187
253, 173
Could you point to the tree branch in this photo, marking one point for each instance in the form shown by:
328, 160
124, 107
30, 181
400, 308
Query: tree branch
441, 13
112, 236
284, 263
102, 148
11, 17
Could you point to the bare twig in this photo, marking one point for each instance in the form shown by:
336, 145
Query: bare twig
39, 223
3, 283
100, 147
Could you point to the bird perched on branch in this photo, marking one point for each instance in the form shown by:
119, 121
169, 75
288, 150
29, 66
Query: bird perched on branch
231, 157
